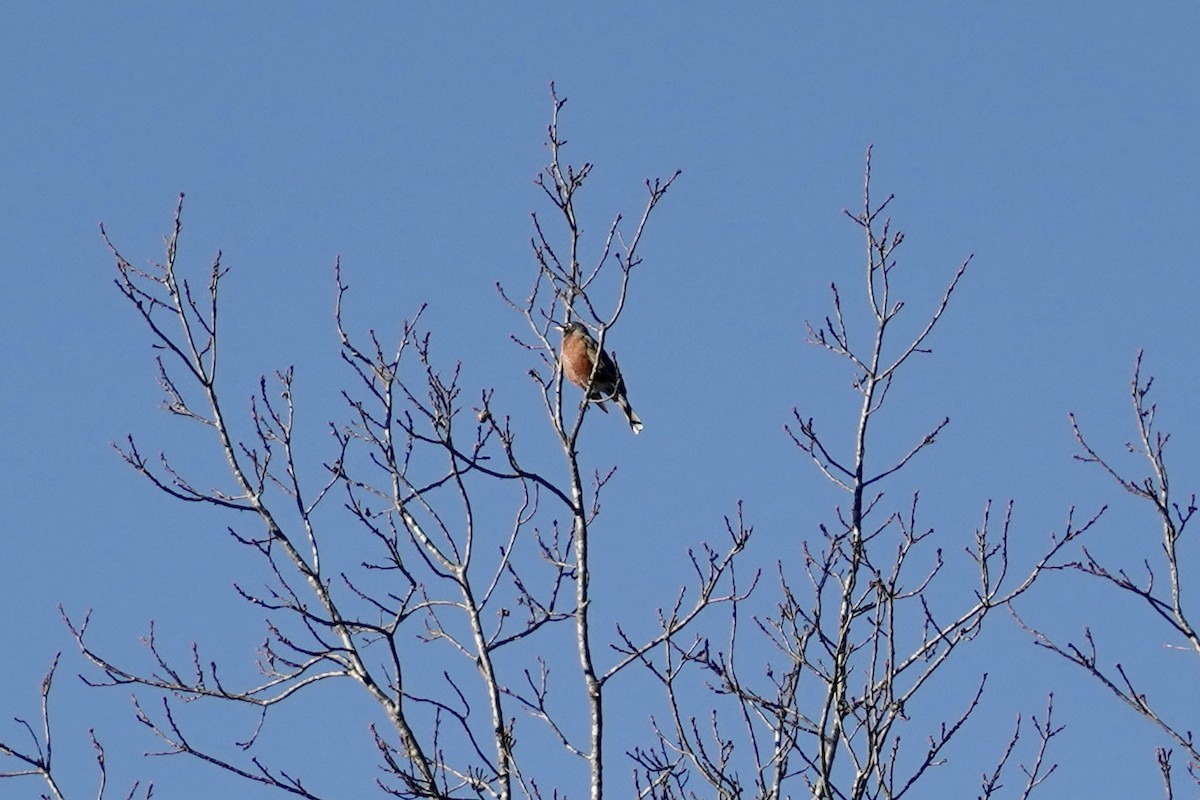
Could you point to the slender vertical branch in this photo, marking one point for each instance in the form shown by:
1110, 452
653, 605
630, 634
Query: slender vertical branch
1168, 605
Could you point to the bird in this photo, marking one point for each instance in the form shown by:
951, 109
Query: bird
579, 352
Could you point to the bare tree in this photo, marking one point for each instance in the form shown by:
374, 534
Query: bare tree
1165, 604
859, 620
449, 626
427, 483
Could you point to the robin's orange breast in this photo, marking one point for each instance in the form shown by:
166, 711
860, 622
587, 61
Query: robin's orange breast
577, 362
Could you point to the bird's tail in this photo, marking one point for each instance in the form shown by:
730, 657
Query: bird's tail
634, 422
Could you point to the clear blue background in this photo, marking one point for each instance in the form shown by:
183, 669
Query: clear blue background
1056, 142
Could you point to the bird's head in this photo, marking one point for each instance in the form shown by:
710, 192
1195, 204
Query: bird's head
572, 328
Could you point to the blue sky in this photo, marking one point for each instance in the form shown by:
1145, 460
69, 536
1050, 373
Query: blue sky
1055, 142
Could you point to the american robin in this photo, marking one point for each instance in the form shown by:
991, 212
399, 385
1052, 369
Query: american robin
579, 351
